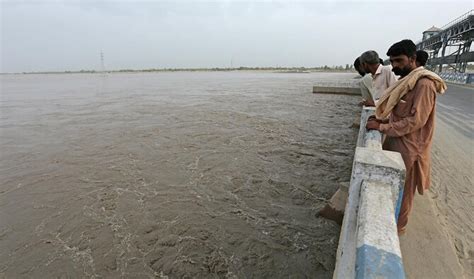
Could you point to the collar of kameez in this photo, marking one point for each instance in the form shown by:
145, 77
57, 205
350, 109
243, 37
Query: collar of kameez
378, 72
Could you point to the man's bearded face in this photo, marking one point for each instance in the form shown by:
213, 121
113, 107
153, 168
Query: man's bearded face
401, 71
402, 64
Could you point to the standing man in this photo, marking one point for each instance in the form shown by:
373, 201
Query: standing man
410, 108
365, 84
421, 58
382, 76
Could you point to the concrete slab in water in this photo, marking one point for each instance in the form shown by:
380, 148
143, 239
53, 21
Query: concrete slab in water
346, 90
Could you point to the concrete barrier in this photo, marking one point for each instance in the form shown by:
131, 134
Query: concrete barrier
462, 78
345, 90
378, 251
368, 244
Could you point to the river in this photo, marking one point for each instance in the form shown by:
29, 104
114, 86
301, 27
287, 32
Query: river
179, 175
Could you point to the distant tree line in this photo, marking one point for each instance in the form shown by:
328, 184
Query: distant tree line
339, 68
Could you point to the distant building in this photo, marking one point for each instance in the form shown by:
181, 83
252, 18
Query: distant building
431, 32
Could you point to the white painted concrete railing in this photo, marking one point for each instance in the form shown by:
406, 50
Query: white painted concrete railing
369, 245
464, 78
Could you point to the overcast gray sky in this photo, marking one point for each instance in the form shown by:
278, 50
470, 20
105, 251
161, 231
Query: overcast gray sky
69, 35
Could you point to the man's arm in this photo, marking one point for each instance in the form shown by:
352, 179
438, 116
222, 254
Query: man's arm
373, 117
366, 88
423, 105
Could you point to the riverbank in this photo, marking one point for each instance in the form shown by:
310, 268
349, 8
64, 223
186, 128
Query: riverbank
296, 70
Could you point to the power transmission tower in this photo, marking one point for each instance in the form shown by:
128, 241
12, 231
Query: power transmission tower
102, 64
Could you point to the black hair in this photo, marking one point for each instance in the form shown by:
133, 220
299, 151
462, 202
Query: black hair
357, 63
357, 66
422, 57
404, 47
381, 61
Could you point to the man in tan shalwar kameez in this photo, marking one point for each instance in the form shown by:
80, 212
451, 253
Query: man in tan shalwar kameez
406, 115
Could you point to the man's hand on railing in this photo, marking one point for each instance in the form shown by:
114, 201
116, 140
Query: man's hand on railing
381, 121
367, 103
372, 117
372, 124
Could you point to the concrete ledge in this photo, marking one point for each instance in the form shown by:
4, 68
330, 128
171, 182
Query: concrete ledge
378, 249
376, 263
364, 116
461, 78
373, 140
368, 244
345, 90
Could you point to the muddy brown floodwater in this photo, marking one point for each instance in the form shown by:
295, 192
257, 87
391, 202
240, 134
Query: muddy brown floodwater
209, 174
